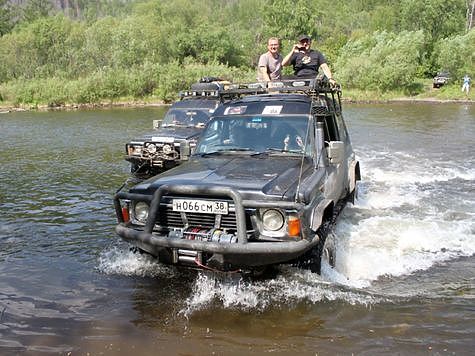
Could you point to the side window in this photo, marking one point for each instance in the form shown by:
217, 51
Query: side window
341, 127
210, 137
331, 129
212, 130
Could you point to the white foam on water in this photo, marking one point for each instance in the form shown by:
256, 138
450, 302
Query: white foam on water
403, 168
394, 246
291, 286
393, 229
126, 262
386, 198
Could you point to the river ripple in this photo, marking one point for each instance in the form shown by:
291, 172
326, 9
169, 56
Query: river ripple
404, 280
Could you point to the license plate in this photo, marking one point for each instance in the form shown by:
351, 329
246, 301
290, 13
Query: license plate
200, 206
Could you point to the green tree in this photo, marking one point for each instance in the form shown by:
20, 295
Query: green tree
35, 9
290, 18
382, 61
6, 18
439, 18
457, 54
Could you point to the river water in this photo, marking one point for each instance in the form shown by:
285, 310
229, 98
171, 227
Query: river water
404, 281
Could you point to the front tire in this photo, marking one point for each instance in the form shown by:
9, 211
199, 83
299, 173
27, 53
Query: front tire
329, 250
312, 259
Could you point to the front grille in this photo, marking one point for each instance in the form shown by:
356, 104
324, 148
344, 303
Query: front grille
169, 219
174, 219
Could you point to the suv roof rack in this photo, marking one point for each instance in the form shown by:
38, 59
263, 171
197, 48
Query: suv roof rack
227, 91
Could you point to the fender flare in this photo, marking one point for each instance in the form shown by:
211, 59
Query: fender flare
354, 175
324, 210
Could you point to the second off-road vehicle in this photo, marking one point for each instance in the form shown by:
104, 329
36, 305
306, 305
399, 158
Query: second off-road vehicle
156, 151
269, 174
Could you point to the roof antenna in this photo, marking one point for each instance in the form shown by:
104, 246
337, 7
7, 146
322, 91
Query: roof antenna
318, 83
303, 154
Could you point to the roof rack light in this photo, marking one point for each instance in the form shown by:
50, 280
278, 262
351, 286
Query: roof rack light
256, 85
300, 83
275, 84
198, 93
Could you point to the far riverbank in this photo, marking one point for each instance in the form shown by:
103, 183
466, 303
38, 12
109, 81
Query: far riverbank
131, 104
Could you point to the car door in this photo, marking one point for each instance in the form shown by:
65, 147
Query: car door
335, 185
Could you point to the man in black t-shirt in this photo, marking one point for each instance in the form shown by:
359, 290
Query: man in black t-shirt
306, 61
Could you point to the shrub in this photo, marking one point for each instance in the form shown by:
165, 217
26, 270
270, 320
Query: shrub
457, 54
381, 61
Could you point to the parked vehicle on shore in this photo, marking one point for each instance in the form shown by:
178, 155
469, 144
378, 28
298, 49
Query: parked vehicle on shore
270, 173
441, 79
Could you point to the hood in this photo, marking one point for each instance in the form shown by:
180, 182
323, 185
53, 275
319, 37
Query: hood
180, 133
252, 176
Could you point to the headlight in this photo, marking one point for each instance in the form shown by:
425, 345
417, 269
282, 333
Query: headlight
167, 149
141, 211
134, 150
272, 220
152, 148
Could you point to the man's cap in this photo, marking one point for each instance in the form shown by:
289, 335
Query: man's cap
304, 37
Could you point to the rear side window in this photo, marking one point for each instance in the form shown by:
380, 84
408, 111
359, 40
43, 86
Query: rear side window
331, 128
341, 127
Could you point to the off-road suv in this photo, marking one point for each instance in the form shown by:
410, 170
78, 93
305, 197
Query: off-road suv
441, 79
269, 174
159, 150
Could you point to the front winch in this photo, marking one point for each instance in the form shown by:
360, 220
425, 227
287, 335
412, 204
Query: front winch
200, 234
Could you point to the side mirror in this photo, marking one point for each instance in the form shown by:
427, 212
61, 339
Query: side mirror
185, 151
156, 124
336, 152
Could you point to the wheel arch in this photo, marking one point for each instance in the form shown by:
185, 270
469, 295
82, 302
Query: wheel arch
321, 213
354, 175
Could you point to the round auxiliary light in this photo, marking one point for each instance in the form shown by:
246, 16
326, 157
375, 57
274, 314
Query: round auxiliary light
141, 211
152, 148
167, 149
272, 220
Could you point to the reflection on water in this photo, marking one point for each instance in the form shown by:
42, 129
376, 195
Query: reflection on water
404, 254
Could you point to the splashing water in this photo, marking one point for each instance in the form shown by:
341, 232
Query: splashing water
129, 263
402, 222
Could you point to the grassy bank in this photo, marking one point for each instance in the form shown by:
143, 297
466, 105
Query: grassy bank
426, 92
148, 90
147, 84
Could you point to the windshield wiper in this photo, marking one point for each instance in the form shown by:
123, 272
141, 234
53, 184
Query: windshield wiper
260, 153
222, 151
213, 153
239, 149
282, 150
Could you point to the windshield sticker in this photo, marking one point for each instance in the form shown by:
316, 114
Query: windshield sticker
272, 110
235, 110
256, 119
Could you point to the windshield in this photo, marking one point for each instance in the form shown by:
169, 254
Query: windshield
186, 117
284, 134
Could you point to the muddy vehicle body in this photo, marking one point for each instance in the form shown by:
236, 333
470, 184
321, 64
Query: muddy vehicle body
269, 173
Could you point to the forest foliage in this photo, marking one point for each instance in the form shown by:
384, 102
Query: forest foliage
82, 51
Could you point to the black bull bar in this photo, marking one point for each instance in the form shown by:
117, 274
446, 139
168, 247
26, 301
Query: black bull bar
242, 253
